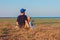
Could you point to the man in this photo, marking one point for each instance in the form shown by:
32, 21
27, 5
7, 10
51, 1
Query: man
22, 20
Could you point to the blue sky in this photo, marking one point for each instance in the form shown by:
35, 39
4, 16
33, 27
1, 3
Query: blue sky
34, 8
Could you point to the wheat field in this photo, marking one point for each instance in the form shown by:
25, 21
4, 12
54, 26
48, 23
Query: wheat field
44, 29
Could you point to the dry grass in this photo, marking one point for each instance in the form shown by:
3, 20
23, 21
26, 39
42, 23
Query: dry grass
43, 31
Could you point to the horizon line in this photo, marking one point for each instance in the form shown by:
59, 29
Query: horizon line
14, 17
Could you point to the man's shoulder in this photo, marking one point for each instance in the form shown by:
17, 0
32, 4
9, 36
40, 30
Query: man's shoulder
25, 15
18, 16
22, 16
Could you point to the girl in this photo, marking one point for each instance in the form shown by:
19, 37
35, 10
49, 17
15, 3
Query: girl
30, 22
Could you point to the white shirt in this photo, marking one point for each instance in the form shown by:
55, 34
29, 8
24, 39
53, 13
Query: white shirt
31, 24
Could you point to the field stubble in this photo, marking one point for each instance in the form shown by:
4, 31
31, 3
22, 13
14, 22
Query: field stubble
45, 29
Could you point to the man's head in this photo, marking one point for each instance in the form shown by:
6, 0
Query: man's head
22, 11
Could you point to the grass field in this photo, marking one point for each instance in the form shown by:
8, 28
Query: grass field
45, 29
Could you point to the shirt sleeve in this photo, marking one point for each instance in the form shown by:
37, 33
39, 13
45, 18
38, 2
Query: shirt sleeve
26, 18
17, 18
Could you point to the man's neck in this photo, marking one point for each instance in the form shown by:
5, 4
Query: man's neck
22, 14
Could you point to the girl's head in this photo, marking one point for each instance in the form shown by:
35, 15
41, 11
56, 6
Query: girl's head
29, 19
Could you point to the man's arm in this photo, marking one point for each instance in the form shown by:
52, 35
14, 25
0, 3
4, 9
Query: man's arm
26, 24
16, 23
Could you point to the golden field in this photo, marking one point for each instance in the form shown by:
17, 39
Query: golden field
44, 29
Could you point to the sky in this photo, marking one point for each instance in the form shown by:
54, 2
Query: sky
34, 8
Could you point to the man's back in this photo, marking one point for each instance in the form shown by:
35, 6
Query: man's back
21, 19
